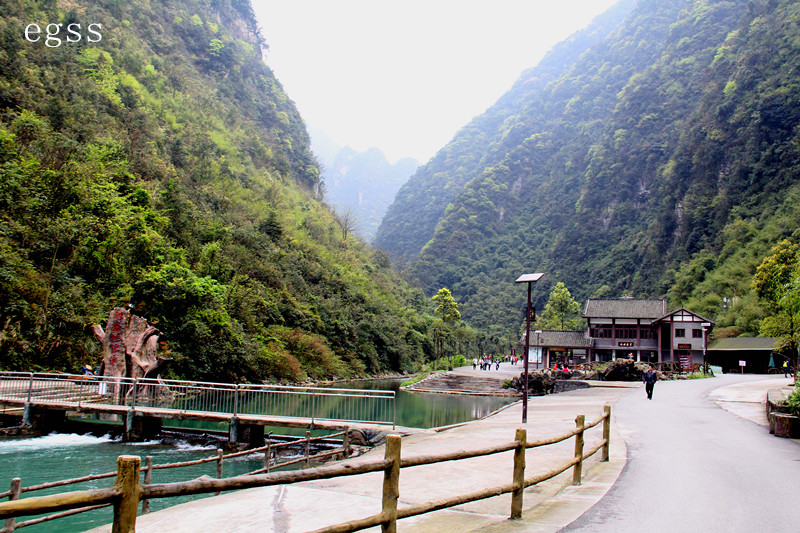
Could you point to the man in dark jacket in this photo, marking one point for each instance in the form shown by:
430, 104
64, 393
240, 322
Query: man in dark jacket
650, 377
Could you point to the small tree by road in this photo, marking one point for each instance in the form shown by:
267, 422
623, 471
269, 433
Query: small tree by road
447, 317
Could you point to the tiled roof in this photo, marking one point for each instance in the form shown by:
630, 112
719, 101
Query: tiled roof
567, 339
625, 308
744, 343
683, 311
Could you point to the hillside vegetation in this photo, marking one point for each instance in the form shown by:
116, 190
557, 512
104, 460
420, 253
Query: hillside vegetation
653, 154
164, 167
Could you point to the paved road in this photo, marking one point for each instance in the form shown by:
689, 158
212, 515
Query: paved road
695, 467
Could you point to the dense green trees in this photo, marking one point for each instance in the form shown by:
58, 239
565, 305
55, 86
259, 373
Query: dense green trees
777, 284
165, 167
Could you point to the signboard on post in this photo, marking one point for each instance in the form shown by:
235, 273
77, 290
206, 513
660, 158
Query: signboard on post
535, 354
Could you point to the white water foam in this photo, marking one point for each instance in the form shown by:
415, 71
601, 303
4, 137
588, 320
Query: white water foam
53, 440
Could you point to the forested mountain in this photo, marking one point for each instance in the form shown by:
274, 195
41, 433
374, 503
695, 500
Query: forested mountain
656, 153
149, 157
363, 185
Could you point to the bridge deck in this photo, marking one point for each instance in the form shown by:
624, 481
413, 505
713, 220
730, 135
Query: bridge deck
81, 394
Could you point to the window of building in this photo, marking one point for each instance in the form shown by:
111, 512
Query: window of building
600, 332
680, 332
648, 333
626, 332
697, 333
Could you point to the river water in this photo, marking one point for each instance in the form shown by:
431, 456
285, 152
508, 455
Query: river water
62, 456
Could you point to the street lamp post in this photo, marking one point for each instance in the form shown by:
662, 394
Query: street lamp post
706, 326
530, 279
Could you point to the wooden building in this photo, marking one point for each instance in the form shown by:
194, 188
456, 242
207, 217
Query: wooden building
635, 328
623, 328
550, 346
746, 354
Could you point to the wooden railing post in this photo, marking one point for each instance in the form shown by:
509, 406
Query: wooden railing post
391, 485
148, 478
606, 433
16, 483
130, 492
580, 422
267, 456
308, 446
346, 444
521, 437
219, 468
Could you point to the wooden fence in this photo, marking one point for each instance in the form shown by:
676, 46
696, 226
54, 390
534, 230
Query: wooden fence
16, 488
127, 491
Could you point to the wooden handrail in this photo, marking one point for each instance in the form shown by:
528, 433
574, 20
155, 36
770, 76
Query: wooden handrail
457, 455
58, 502
56, 516
210, 459
127, 491
207, 484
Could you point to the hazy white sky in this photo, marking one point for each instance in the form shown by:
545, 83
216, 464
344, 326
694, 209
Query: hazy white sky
406, 75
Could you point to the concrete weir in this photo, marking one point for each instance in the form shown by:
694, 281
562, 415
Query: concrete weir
144, 405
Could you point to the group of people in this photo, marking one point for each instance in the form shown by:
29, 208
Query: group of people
486, 362
559, 366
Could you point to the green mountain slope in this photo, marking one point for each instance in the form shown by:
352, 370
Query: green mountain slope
164, 167
480, 144
661, 159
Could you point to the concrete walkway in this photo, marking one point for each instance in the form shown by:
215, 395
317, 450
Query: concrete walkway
548, 507
747, 400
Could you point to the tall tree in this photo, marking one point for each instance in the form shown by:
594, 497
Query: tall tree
562, 312
777, 283
447, 317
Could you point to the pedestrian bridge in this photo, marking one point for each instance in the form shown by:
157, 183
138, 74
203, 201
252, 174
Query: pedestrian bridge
143, 403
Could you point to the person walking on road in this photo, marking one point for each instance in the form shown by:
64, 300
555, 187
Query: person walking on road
650, 377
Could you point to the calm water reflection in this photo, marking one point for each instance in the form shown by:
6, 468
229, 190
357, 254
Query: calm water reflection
430, 410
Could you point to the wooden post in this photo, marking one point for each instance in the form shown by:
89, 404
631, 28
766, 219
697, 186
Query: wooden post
391, 485
521, 437
346, 444
606, 433
148, 478
580, 422
15, 491
267, 456
219, 468
308, 446
130, 492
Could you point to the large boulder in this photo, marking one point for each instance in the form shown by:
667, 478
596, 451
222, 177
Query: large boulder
130, 345
539, 383
623, 370
130, 350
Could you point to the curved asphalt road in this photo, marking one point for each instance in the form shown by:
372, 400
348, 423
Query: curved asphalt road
694, 467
